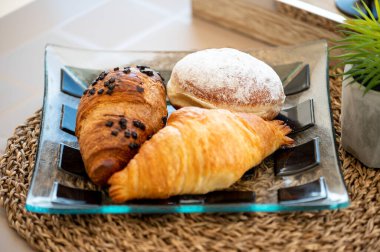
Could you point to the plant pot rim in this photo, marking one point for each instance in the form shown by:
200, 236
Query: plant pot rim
349, 79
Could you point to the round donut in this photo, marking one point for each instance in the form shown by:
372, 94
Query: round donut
226, 78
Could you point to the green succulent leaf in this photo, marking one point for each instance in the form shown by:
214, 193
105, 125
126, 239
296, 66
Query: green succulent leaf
360, 47
373, 83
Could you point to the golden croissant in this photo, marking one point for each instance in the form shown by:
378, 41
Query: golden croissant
199, 151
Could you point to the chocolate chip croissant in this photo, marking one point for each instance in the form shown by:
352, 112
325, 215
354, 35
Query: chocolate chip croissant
197, 152
120, 110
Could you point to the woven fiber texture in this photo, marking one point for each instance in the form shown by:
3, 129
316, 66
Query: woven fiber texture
356, 228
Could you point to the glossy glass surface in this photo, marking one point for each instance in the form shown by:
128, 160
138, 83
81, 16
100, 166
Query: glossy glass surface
294, 160
70, 161
59, 183
312, 191
298, 81
299, 117
68, 119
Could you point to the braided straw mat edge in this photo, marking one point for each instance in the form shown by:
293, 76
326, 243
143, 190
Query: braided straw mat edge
356, 228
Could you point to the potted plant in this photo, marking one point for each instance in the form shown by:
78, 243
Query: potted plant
359, 52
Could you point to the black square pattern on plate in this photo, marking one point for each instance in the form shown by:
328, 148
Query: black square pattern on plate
300, 81
293, 160
299, 117
225, 197
315, 190
286, 72
69, 85
70, 160
68, 119
68, 195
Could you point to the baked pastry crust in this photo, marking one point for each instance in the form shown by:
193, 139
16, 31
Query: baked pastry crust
119, 111
200, 150
226, 78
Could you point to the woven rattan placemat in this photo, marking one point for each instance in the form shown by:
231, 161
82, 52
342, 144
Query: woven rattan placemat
355, 228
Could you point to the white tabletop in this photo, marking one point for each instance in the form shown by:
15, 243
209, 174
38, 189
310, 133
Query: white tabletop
28, 25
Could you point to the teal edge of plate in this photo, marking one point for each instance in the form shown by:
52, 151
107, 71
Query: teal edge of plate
119, 209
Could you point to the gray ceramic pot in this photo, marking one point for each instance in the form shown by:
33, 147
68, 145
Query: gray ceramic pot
361, 122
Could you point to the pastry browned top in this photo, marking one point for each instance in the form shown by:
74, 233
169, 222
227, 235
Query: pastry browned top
122, 84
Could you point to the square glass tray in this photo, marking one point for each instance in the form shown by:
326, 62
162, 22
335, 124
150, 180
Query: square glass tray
304, 177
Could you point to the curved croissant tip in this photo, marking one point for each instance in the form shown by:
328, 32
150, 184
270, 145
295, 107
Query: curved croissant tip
113, 179
117, 190
117, 193
288, 141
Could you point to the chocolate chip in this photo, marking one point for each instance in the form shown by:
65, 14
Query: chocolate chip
141, 67
101, 76
149, 137
138, 124
147, 72
94, 82
100, 91
106, 72
106, 84
134, 135
127, 70
92, 91
85, 91
133, 146
111, 86
112, 80
162, 78
114, 132
123, 123
127, 134
109, 92
116, 69
109, 123
164, 119
140, 89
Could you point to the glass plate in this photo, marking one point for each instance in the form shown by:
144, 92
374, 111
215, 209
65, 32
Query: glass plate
304, 177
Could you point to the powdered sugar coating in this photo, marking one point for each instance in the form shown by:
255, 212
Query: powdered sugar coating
231, 76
